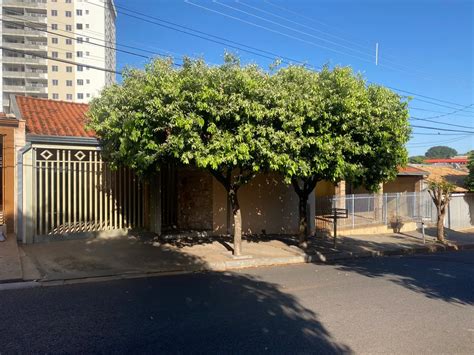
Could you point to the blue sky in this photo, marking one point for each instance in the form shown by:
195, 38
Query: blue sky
425, 46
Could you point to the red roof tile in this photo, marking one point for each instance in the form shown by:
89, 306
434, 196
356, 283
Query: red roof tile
53, 118
411, 170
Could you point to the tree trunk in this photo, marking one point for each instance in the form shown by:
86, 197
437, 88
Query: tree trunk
303, 219
237, 215
440, 227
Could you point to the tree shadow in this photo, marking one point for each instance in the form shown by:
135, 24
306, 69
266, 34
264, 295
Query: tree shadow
193, 313
438, 276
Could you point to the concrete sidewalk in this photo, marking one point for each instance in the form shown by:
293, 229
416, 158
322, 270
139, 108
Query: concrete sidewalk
10, 266
138, 256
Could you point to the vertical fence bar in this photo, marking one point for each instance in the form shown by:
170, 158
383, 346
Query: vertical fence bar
40, 197
353, 211
95, 191
111, 201
101, 192
63, 190
129, 197
57, 192
70, 209
90, 192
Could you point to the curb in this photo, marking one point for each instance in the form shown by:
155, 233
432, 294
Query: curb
238, 264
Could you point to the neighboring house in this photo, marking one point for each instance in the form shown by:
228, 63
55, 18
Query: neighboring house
456, 176
66, 190
455, 161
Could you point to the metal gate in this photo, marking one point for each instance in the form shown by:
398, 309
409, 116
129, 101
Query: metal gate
75, 191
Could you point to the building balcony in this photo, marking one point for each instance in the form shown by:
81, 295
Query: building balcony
26, 46
24, 75
25, 4
27, 32
23, 60
25, 89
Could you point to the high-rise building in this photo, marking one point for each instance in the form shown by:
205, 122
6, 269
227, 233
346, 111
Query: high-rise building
74, 32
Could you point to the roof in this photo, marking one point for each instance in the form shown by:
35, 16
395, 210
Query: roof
451, 160
450, 174
410, 171
46, 117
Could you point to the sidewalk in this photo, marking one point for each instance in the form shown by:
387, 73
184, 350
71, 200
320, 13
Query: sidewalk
138, 256
10, 266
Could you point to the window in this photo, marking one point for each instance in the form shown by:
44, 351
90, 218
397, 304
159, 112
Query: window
68, 96
68, 27
80, 82
68, 69
87, 25
80, 68
54, 12
88, 81
79, 12
68, 82
54, 40
87, 39
80, 96
68, 14
88, 95
68, 55
87, 54
55, 82
54, 26
68, 1
79, 54
87, 12
55, 96
68, 41
79, 26
54, 54
79, 39
54, 68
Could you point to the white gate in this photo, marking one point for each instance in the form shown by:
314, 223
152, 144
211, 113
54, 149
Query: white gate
74, 191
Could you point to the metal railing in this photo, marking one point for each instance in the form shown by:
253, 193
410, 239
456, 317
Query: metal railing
369, 209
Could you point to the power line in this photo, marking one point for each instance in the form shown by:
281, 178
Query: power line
60, 60
200, 34
286, 60
442, 129
370, 54
434, 111
441, 123
92, 43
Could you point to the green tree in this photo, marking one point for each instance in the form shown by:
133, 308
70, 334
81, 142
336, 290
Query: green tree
332, 126
470, 166
417, 159
440, 192
441, 152
209, 117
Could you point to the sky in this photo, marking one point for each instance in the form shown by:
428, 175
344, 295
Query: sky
425, 47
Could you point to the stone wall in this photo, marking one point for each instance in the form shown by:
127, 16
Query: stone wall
194, 199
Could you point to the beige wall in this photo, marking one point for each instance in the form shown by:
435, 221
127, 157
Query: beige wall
62, 48
267, 203
403, 184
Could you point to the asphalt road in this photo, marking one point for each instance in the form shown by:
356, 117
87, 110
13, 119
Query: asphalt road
419, 304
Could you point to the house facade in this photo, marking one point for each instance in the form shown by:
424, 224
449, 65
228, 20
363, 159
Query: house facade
57, 186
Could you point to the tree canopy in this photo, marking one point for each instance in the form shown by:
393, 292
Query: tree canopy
441, 152
330, 125
236, 121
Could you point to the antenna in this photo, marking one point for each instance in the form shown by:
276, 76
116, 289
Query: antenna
377, 53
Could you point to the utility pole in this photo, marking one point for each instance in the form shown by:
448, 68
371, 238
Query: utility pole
377, 53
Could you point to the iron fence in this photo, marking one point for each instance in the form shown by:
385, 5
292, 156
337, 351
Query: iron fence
368, 209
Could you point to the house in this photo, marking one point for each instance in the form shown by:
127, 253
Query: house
57, 186
64, 188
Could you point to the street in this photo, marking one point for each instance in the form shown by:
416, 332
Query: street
415, 304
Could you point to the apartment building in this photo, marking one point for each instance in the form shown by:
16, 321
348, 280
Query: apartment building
49, 48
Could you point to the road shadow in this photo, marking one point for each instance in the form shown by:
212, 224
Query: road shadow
445, 276
193, 313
